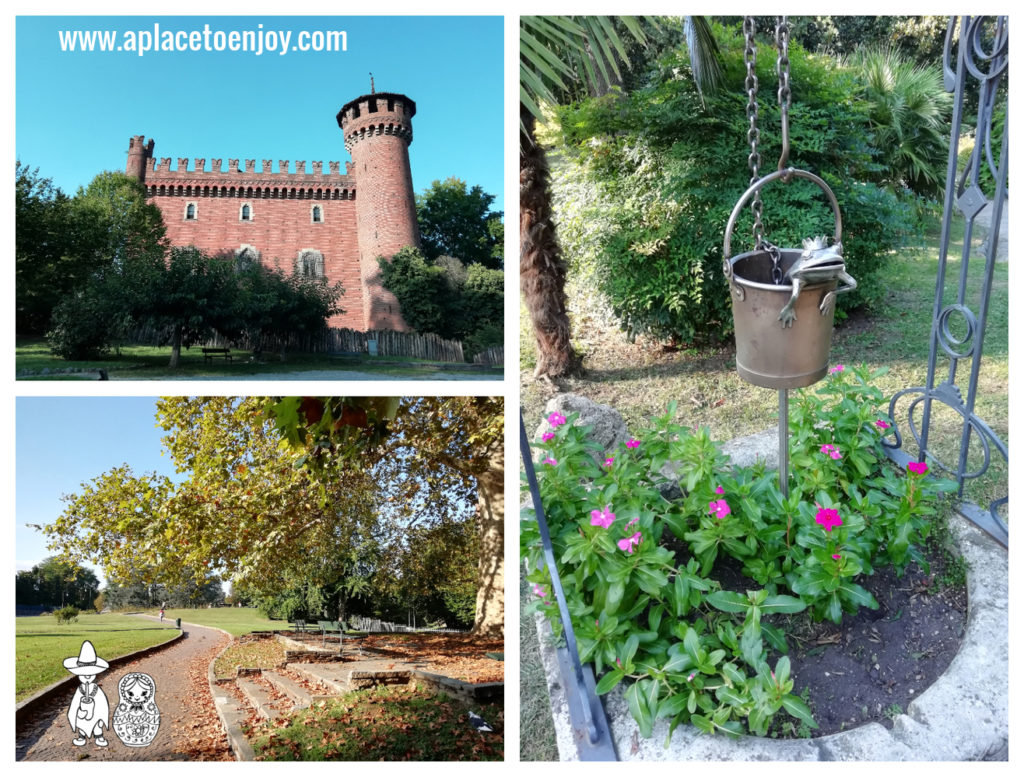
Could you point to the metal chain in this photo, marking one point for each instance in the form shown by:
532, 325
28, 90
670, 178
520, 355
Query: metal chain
753, 133
785, 95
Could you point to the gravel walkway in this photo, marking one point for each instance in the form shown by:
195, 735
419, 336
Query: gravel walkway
182, 696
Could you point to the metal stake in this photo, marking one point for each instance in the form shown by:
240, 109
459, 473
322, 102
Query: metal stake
784, 441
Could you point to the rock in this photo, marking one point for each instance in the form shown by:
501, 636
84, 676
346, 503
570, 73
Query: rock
608, 427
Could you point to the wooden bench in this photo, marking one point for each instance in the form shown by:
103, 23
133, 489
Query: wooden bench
212, 353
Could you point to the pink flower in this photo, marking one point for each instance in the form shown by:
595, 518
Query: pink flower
917, 467
836, 556
603, 517
556, 419
690, 678
628, 543
882, 425
837, 368
719, 490
618, 662
537, 590
547, 436
719, 508
609, 461
632, 522
551, 461
832, 451
829, 518
633, 444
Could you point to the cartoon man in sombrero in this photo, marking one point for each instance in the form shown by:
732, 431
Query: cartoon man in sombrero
89, 710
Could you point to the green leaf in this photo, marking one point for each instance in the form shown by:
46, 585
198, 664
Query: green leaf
614, 596
795, 706
637, 702
728, 601
783, 603
609, 681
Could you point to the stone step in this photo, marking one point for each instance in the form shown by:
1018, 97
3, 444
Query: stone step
258, 698
286, 685
334, 676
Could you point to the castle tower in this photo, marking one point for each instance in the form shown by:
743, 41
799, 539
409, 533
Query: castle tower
378, 130
139, 153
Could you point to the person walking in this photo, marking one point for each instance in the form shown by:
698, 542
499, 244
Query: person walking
161, 612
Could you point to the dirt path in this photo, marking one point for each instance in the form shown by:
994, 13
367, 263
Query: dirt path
189, 728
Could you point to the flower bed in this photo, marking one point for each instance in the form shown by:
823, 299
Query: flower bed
687, 649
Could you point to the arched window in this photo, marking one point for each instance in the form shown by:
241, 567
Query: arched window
309, 263
318, 214
246, 213
190, 212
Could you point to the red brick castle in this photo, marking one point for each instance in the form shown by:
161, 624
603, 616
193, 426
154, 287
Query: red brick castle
326, 224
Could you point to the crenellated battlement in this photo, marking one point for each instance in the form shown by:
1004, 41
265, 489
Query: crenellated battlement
161, 168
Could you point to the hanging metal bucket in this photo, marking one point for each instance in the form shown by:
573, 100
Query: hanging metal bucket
767, 353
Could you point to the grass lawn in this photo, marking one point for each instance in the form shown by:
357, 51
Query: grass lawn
262, 654
234, 620
136, 362
41, 644
390, 723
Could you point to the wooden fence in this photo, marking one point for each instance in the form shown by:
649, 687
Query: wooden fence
332, 340
491, 357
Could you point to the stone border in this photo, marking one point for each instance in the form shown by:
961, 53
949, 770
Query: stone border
963, 716
230, 715
27, 706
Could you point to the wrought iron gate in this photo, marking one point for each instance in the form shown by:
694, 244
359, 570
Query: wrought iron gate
975, 73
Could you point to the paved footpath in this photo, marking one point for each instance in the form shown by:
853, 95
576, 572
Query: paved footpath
182, 691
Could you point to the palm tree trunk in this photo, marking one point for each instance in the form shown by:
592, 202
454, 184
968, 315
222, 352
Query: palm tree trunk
541, 267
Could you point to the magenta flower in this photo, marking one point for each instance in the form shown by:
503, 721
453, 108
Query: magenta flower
837, 368
917, 467
628, 543
632, 522
690, 678
832, 451
556, 419
618, 662
882, 425
719, 508
719, 490
609, 461
537, 590
603, 517
829, 518
633, 444
547, 436
836, 556
551, 461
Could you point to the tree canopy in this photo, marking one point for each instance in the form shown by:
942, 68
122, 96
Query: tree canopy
456, 220
54, 583
276, 491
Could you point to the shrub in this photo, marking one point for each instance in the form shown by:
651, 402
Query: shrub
661, 168
66, 615
640, 570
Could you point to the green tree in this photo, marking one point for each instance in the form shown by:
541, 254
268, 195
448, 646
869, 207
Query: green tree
557, 54
909, 110
458, 221
55, 583
43, 271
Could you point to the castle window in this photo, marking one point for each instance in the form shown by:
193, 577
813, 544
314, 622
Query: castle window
246, 213
309, 263
190, 212
246, 256
318, 214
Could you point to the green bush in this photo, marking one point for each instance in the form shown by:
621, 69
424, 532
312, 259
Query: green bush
645, 183
66, 615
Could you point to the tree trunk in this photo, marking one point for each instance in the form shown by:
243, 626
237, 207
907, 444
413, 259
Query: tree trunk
490, 595
175, 348
541, 267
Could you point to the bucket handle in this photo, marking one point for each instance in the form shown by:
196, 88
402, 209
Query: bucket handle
786, 175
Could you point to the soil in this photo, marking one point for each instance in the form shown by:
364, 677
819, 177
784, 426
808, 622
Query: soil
876, 662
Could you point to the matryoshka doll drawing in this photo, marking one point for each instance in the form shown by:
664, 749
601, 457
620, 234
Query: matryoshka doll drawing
136, 719
89, 708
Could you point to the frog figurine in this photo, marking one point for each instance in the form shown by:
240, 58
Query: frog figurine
136, 719
818, 263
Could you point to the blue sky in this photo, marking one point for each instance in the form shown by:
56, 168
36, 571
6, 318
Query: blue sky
75, 111
63, 442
